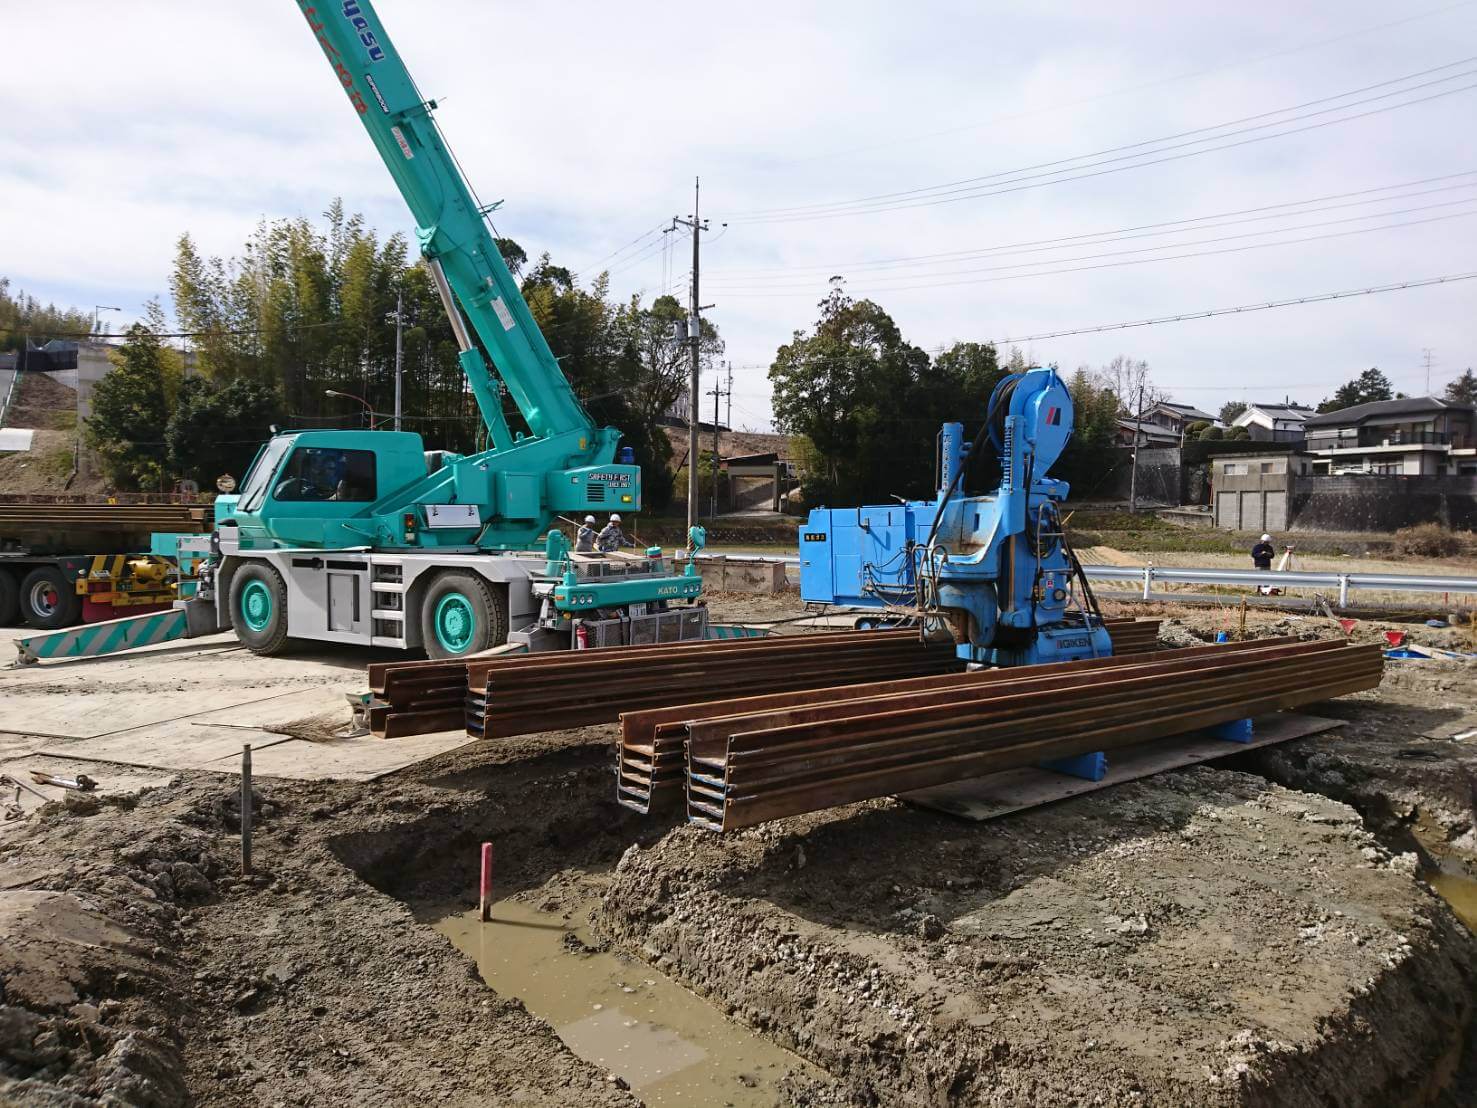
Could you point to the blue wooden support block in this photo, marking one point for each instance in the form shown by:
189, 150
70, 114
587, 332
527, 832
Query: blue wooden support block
1089, 767
1237, 731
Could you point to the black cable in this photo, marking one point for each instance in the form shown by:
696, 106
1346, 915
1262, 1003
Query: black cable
878, 198
936, 284
736, 284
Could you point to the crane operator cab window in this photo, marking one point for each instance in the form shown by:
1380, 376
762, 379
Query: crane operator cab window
320, 473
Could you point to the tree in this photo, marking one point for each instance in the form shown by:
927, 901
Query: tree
1129, 381
1212, 434
846, 387
1092, 455
23, 316
1196, 430
1371, 385
129, 411
1237, 434
1230, 410
1463, 390
217, 429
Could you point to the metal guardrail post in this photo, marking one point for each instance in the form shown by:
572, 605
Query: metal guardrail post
1148, 579
1343, 590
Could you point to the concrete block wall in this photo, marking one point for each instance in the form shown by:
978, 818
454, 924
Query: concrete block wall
1380, 503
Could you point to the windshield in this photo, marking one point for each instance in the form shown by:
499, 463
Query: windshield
255, 488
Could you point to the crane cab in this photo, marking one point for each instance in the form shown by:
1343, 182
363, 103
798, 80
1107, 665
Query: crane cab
320, 488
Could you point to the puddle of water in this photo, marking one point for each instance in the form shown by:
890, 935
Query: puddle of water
1458, 890
672, 1047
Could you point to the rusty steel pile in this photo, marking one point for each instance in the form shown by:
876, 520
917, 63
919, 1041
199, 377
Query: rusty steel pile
749, 768
652, 752
496, 697
515, 694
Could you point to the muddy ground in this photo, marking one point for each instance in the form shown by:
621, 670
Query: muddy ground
1251, 935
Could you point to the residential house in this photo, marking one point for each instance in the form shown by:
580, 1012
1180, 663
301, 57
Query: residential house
1176, 417
1274, 422
1149, 434
1413, 436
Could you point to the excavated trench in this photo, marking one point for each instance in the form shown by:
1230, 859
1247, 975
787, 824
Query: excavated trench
557, 836
1204, 937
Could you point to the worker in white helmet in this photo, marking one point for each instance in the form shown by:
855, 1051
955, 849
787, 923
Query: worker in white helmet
612, 537
1263, 553
584, 542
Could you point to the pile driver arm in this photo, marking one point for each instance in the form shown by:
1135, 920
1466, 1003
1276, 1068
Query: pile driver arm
451, 228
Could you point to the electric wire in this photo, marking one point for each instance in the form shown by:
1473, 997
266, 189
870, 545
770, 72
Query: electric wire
1020, 179
1143, 230
1302, 48
810, 283
800, 291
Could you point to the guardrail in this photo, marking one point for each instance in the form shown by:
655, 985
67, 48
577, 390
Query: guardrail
10, 391
1145, 576
1343, 583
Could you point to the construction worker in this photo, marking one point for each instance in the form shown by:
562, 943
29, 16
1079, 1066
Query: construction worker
1263, 553
611, 537
584, 542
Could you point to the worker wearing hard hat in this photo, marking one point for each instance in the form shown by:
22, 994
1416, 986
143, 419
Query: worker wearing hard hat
1263, 553
584, 542
611, 537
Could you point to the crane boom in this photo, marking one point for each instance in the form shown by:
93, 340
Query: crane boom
451, 228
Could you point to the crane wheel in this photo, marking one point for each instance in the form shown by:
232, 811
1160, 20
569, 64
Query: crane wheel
462, 614
10, 605
259, 608
48, 600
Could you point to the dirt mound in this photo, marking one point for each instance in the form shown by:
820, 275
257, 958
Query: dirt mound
1202, 938
42, 402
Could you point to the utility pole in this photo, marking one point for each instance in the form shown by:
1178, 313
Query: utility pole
729, 420
398, 317
1133, 475
1427, 351
694, 340
718, 391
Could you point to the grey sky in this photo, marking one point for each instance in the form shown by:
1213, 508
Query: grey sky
591, 120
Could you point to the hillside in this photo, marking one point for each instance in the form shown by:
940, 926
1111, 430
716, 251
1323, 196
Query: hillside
49, 408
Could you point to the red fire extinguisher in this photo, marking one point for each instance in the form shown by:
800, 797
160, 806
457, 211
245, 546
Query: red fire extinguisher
581, 637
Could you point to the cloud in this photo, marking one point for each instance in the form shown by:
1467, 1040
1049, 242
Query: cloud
591, 121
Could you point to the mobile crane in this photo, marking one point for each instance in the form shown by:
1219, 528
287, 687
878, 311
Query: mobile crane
997, 570
364, 537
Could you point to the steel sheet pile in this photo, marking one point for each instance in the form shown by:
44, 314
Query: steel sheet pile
548, 692
515, 694
652, 755
744, 769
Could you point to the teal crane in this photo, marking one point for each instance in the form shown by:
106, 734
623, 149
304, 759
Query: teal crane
364, 537
564, 464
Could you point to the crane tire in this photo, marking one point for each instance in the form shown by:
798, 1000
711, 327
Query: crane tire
259, 608
49, 600
462, 614
10, 592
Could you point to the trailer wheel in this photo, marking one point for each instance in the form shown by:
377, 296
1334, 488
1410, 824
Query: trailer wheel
49, 600
10, 605
462, 614
259, 608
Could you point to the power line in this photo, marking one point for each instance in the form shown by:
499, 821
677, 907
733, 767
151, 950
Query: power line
885, 196
1134, 261
1144, 230
1209, 313
1020, 179
1136, 88
639, 238
810, 282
